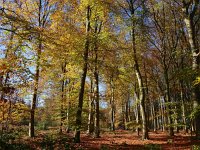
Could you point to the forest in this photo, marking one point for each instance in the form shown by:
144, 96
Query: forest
99, 74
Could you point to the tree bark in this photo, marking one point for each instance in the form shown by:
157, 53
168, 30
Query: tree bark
112, 103
83, 77
168, 99
63, 97
41, 24
189, 9
96, 123
154, 118
162, 114
127, 108
183, 107
137, 115
68, 109
140, 80
91, 109
35, 93
96, 77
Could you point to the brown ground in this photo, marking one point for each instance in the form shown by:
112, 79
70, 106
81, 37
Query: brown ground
125, 140
118, 140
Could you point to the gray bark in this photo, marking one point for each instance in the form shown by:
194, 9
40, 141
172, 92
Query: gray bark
189, 9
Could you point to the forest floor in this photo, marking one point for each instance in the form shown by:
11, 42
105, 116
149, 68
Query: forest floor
126, 140
118, 140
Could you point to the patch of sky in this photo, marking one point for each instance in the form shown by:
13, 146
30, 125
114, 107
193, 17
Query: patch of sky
102, 91
28, 99
2, 51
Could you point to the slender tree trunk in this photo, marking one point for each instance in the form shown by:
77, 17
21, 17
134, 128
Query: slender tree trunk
151, 125
68, 109
182, 97
41, 23
154, 118
168, 99
83, 77
140, 81
147, 100
144, 123
96, 124
112, 103
96, 77
183, 107
130, 118
127, 115
137, 115
35, 93
63, 97
62, 107
176, 120
160, 121
123, 115
162, 114
91, 109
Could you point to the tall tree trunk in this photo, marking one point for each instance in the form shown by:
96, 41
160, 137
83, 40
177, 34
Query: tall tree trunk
42, 18
123, 115
176, 119
189, 9
96, 77
83, 77
183, 107
112, 103
147, 102
62, 107
137, 116
139, 79
35, 93
168, 99
96, 123
63, 97
154, 118
127, 115
160, 119
91, 109
68, 108
162, 113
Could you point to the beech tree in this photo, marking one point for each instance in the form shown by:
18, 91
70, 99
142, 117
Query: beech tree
130, 9
191, 12
99, 64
